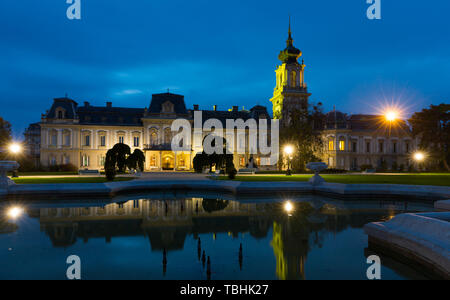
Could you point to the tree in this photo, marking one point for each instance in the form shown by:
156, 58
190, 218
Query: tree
5, 133
110, 165
136, 160
199, 162
122, 151
118, 158
432, 126
304, 135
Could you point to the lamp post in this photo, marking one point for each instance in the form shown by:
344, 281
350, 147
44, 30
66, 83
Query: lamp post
419, 157
288, 150
15, 149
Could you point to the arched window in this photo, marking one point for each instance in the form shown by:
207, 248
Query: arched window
167, 135
53, 137
293, 79
66, 138
153, 137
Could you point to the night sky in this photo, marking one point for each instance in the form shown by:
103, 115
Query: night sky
220, 52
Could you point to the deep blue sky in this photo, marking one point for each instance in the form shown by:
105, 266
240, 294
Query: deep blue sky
220, 52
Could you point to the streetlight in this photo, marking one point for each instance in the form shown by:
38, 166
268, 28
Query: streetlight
15, 149
288, 150
419, 156
288, 208
391, 116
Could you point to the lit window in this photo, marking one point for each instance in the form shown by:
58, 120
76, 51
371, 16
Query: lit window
331, 145
85, 161
102, 160
103, 140
341, 145
153, 161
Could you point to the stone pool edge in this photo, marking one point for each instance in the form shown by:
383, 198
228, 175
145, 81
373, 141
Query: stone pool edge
236, 188
423, 238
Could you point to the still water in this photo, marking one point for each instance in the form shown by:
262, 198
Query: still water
298, 238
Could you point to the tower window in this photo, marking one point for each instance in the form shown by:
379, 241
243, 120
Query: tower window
293, 79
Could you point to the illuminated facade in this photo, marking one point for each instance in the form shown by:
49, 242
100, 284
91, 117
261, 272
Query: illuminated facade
81, 135
368, 141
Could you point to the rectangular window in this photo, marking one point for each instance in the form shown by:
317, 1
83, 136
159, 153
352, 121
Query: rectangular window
67, 140
381, 147
103, 141
87, 140
153, 161
136, 141
121, 139
394, 147
242, 161
102, 160
135, 203
54, 140
407, 147
354, 147
368, 147
85, 161
331, 145
341, 145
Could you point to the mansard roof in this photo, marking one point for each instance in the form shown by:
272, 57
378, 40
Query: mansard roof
256, 113
366, 123
158, 100
69, 105
118, 116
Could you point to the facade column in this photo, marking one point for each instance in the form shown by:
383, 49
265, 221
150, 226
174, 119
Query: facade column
175, 162
59, 139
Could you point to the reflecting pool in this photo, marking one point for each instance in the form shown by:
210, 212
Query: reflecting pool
163, 236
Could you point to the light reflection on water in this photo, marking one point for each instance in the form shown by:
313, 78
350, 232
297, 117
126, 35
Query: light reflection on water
306, 238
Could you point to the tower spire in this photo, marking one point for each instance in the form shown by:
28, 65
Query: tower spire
289, 41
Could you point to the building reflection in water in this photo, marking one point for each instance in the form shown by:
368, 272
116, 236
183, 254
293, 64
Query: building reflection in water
168, 223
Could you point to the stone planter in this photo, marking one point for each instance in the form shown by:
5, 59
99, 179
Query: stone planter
5, 167
316, 167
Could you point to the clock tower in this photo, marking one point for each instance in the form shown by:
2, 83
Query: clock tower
290, 92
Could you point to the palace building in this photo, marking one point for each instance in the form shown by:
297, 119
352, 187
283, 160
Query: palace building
82, 134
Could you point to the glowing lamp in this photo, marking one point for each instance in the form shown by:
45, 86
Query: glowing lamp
288, 207
15, 148
419, 156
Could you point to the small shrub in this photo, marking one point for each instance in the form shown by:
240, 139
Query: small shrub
366, 167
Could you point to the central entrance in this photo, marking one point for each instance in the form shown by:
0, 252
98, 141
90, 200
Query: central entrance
168, 162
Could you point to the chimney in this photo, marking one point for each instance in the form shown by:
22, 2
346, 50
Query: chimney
196, 106
86, 104
108, 104
215, 107
235, 108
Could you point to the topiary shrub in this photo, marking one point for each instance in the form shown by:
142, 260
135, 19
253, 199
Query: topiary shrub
110, 165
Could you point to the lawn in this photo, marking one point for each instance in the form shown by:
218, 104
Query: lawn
43, 180
44, 173
440, 179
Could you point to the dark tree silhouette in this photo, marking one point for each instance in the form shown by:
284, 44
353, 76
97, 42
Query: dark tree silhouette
432, 126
